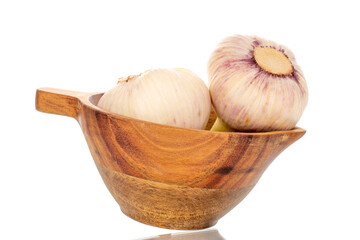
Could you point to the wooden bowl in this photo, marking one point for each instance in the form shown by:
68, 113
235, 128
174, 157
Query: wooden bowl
168, 176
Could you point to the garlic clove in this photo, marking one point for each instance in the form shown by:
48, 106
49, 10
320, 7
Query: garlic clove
175, 97
256, 85
221, 126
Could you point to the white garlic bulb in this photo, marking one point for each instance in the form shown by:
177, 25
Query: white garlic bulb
256, 85
174, 97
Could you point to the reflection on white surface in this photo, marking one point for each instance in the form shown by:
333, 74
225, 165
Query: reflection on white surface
211, 234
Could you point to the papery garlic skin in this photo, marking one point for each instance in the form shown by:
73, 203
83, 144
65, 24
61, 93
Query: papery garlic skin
175, 97
263, 92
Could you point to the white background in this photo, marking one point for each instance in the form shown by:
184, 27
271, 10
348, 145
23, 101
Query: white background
49, 185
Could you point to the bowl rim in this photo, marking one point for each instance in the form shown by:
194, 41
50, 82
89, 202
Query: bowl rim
88, 102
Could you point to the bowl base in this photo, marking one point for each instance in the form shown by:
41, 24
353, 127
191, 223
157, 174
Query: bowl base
168, 223
170, 206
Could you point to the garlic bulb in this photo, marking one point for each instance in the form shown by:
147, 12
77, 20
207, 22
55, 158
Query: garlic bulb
174, 97
255, 85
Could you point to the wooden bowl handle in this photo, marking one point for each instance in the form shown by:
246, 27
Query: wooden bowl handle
57, 101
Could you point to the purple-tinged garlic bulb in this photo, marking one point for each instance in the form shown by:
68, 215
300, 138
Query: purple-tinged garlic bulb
255, 85
175, 97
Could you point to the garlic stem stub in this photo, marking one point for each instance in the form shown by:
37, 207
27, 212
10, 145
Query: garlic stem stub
175, 97
256, 85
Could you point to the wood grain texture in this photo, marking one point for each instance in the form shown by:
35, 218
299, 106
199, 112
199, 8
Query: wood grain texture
170, 206
168, 176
